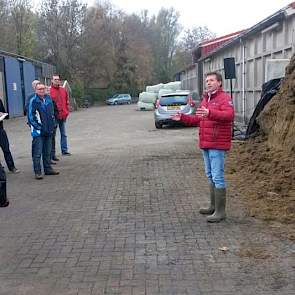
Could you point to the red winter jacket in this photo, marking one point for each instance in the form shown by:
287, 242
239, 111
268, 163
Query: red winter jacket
61, 98
215, 131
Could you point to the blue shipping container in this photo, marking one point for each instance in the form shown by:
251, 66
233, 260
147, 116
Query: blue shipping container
13, 87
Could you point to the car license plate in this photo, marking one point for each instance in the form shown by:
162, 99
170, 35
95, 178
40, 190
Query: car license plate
174, 108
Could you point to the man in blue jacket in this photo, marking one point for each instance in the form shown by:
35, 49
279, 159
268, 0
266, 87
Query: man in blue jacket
42, 123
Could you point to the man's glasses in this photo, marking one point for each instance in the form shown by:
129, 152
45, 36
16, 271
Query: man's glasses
40, 89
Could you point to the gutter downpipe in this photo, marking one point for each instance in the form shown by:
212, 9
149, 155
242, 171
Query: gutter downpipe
243, 82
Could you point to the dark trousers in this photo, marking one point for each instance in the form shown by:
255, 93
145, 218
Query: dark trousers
63, 138
53, 151
3, 196
41, 147
4, 143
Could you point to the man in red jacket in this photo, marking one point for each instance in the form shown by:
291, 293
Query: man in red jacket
61, 98
214, 118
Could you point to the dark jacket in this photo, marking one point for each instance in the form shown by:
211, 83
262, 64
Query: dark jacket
41, 116
2, 110
55, 111
27, 103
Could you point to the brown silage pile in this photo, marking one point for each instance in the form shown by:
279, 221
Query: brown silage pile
262, 169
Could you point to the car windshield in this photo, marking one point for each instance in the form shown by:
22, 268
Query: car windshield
173, 100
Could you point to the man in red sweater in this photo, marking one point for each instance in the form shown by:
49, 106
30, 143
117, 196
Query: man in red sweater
214, 118
61, 98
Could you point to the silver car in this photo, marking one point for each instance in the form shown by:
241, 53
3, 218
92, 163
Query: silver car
170, 104
119, 99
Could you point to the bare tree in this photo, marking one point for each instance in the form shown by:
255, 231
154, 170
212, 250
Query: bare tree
100, 47
23, 26
97, 60
165, 28
139, 53
49, 35
4, 23
116, 51
191, 38
72, 14
60, 30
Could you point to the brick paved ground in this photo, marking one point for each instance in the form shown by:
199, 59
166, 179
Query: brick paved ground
122, 218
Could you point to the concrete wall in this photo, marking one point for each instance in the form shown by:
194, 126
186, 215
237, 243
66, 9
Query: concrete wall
189, 79
257, 50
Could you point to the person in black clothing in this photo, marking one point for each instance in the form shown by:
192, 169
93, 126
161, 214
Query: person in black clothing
4, 143
3, 196
54, 158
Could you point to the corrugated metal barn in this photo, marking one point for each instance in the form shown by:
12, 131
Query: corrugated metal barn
191, 77
261, 53
16, 76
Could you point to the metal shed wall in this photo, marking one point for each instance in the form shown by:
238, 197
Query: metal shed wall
189, 79
2, 82
277, 42
13, 87
16, 76
271, 39
29, 76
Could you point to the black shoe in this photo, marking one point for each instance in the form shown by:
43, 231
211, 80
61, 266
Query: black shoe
52, 172
14, 170
5, 204
38, 176
52, 163
66, 154
55, 159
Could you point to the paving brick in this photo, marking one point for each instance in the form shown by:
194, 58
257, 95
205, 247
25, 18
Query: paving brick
122, 218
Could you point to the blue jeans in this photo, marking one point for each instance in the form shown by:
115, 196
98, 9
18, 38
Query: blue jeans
41, 147
214, 166
63, 136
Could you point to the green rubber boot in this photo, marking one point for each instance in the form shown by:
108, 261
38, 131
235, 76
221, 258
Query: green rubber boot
211, 208
220, 200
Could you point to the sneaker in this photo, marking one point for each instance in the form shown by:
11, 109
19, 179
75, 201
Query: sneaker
66, 154
52, 172
38, 176
55, 159
14, 170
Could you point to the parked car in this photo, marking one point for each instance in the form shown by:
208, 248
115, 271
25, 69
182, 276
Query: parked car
172, 103
119, 99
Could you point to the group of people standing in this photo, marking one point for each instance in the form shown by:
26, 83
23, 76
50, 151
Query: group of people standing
47, 109
214, 117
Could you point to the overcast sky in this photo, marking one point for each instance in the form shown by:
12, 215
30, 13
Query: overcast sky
220, 16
